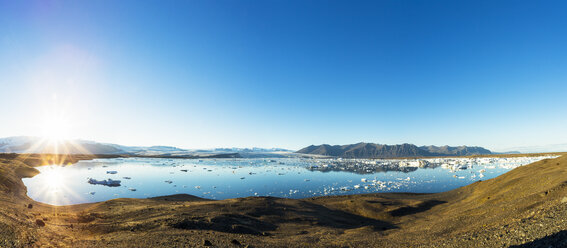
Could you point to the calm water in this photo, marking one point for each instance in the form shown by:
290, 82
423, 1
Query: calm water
230, 178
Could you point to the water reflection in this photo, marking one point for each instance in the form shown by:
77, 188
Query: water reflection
89, 181
53, 186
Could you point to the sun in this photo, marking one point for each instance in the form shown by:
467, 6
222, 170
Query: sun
56, 127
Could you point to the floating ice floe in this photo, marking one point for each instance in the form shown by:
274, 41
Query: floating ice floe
365, 166
346, 188
109, 182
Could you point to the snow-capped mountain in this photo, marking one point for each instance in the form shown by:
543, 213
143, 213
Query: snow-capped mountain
26, 144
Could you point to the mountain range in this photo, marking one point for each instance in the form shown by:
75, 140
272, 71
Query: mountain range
27, 144
372, 150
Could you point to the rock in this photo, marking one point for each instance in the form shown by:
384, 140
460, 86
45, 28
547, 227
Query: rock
235, 242
30, 206
39, 223
207, 243
564, 199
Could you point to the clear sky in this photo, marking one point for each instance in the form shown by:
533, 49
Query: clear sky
201, 74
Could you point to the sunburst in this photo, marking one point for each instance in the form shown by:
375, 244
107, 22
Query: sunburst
55, 148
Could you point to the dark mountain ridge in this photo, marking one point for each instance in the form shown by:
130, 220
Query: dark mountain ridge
456, 150
372, 150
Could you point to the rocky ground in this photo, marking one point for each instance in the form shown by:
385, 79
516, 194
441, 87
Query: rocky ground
526, 207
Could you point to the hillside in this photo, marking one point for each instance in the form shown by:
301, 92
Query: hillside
371, 150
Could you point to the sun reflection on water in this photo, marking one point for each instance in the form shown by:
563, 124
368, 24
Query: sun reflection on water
53, 179
54, 185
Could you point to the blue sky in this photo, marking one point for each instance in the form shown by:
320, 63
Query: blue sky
199, 74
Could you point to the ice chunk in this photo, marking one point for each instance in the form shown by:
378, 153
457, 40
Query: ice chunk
109, 182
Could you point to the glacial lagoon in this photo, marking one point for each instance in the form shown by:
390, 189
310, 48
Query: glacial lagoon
97, 180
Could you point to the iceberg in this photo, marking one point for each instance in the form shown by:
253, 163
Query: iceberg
109, 182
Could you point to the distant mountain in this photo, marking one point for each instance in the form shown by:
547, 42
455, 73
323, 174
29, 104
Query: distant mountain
250, 150
26, 144
508, 152
365, 150
371, 150
540, 148
456, 150
254, 152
